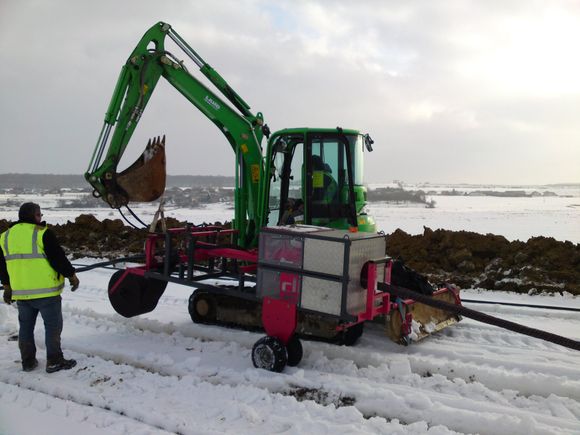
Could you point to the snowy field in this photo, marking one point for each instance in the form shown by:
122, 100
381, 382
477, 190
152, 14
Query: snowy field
160, 373
513, 218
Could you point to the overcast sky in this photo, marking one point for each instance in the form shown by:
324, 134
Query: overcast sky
451, 91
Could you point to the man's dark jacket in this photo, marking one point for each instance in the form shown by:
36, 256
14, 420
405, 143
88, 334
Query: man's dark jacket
52, 249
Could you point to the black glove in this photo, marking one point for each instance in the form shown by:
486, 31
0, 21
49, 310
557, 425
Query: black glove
7, 294
74, 283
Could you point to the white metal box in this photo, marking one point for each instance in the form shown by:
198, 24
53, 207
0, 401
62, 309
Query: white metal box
317, 268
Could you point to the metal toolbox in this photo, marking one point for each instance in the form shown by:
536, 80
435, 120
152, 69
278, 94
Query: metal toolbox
316, 268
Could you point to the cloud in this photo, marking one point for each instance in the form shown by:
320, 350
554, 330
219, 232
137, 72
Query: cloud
461, 85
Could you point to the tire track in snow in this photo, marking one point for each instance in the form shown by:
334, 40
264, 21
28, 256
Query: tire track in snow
94, 386
476, 337
363, 357
63, 406
532, 367
434, 348
397, 377
368, 376
495, 367
371, 405
402, 403
457, 343
480, 413
472, 332
484, 335
438, 357
136, 393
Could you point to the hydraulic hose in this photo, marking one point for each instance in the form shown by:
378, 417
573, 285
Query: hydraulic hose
513, 304
109, 263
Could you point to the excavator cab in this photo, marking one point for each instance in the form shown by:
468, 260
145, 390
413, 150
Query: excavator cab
316, 179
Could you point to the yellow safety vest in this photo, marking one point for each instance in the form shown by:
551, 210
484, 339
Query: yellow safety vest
324, 186
31, 275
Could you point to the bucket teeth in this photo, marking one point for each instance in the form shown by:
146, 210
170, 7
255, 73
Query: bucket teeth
157, 141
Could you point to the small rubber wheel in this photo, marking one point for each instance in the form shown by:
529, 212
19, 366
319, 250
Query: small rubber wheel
201, 308
350, 336
269, 353
294, 350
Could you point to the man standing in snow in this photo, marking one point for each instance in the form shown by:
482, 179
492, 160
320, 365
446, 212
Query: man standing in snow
33, 266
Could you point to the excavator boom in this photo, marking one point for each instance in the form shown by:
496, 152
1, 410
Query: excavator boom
144, 180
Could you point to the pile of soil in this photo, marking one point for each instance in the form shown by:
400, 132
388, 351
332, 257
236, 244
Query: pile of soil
542, 264
467, 259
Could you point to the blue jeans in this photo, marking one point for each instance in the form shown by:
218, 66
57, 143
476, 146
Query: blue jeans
51, 311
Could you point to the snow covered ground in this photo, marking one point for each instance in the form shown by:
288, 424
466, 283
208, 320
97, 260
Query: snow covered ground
160, 373
514, 218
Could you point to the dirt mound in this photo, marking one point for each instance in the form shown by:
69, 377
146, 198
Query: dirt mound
89, 237
489, 261
467, 259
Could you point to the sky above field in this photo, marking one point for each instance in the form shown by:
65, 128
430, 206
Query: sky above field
451, 91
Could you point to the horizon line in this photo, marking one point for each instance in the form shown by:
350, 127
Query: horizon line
460, 183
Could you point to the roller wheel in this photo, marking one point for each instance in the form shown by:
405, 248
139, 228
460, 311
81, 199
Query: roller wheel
294, 350
202, 308
269, 353
350, 336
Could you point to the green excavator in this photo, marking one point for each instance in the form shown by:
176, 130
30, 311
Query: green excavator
307, 181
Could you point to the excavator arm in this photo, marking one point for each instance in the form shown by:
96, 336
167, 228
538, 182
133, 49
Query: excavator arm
145, 179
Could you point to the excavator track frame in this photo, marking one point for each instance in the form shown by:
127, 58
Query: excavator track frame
224, 278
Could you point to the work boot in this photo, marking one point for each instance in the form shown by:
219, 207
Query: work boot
60, 364
29, 364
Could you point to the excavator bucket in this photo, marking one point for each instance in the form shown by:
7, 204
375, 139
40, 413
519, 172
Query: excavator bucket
144, 180
412, 321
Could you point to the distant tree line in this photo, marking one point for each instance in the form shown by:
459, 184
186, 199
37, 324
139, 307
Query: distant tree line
397, 195
47, 182
498, 193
